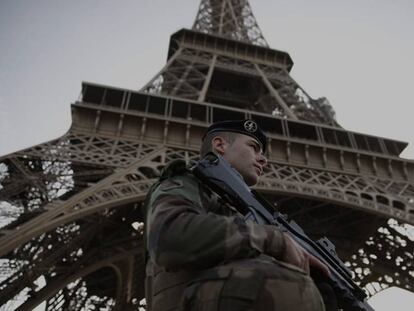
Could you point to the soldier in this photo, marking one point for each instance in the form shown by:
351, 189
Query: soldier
203, 254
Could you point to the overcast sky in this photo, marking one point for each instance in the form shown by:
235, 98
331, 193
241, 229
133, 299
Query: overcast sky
357, 53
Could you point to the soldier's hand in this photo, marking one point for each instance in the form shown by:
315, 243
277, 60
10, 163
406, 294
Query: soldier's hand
295, 255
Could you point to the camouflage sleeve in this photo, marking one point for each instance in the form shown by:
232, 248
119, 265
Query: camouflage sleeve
181, 233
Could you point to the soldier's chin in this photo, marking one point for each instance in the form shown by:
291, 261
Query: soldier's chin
251, 180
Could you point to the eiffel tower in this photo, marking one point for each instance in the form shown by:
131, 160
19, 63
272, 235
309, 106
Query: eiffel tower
74, 239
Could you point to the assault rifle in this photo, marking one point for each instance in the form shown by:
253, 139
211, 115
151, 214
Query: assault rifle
216, 173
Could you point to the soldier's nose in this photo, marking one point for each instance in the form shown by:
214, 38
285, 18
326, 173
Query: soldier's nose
262, 160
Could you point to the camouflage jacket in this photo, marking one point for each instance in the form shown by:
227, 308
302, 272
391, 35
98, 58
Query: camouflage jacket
189, 230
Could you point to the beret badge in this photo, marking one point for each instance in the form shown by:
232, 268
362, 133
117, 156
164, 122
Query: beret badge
246, 127
250, 126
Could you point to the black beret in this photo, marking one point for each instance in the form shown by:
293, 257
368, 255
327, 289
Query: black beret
246, 127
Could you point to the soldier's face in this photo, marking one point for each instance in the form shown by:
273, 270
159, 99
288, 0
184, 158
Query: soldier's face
245, 155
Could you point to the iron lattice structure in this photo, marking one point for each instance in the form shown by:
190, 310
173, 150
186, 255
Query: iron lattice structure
73, 239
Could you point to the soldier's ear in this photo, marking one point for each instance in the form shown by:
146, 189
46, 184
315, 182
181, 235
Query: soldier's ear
219, 145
